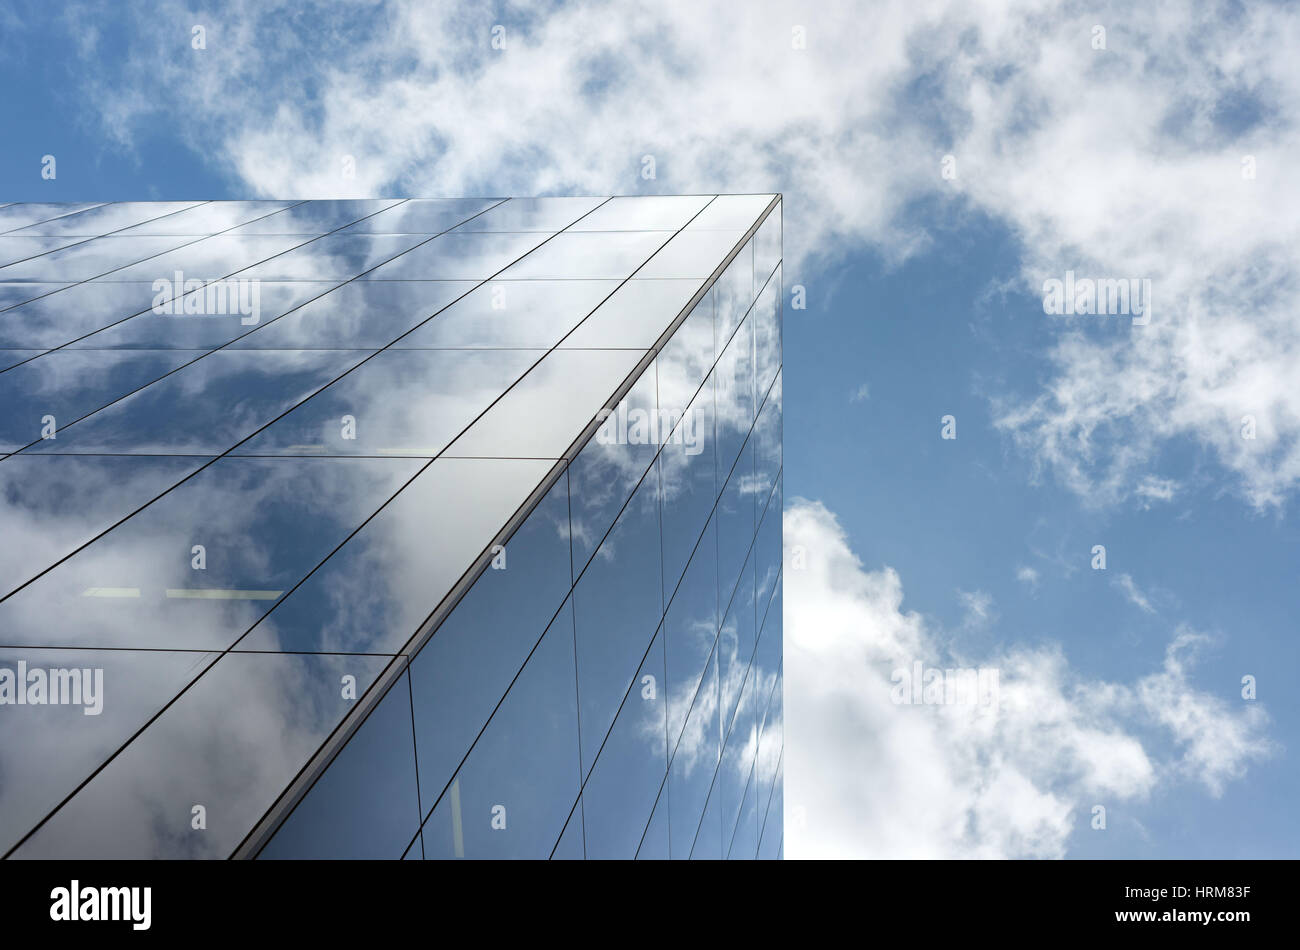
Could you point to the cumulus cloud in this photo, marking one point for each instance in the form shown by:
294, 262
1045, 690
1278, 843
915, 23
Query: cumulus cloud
869, 777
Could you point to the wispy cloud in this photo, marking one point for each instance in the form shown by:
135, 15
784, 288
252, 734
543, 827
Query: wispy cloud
1135, 596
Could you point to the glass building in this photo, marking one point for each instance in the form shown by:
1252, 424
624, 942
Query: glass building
391, 528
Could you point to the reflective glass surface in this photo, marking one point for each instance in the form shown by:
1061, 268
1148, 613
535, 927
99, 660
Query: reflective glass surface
117, 216
422, 216
511, 313
608, 255
228, 746
178, 415
513, 794
400, 402
316, 217
88, 259
360, 314
258, 458
365, 804
634, 315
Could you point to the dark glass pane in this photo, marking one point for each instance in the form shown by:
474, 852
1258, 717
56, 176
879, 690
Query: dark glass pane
515, 792
621, 791
611, 465
617, 606
693, 766
690, 630
364, 805
464, 670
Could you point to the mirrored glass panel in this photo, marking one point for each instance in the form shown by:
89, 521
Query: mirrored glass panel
365, 804
691, 253
512, 313
104, 696
373, 594
51, 505
316, 217
621, 791
118, 216
570, 846
422, 216
334, 256
617, 608
24, 213
466, 667
400, 402
611, 465
204, 318
200, 565
694, 763
59, 318
361, 314
195, 782
458, 256
609, 255
88, 259
635, 315
542, 414
727, 212
42, 396
14, 293
767, 248
514, 793
644, 213
532, 214
211, 217
690, 630
204, 259
654, 843
179, 415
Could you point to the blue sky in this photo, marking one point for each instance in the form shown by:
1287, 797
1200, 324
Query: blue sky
924, 299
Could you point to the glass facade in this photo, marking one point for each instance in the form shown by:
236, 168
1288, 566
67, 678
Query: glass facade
391, 529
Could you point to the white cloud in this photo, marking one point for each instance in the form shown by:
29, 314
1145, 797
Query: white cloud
1027, 575
977, 607
868, 778
861, 394
1135, 596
